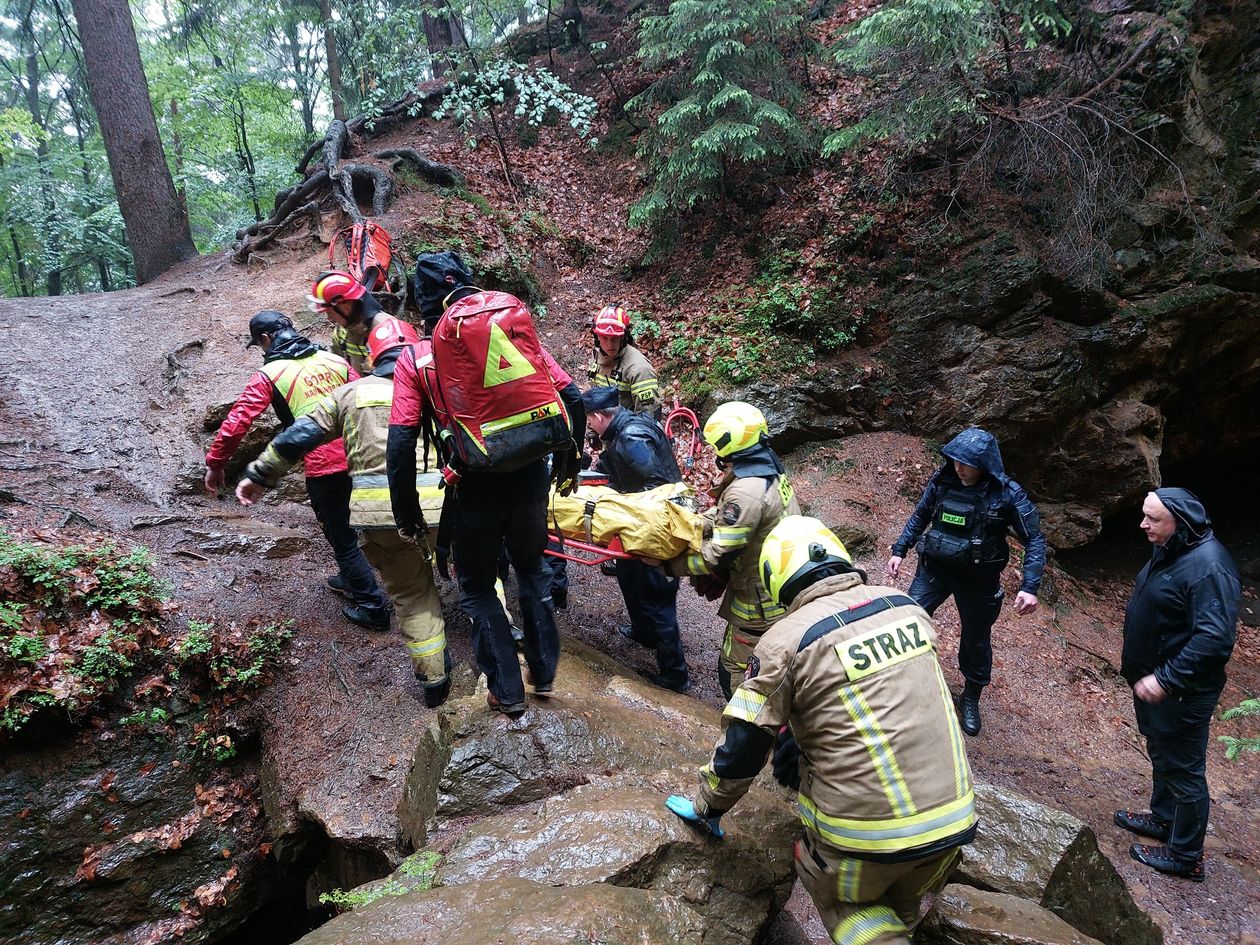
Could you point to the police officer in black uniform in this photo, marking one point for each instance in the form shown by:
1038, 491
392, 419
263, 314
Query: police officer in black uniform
960, 527
636, 458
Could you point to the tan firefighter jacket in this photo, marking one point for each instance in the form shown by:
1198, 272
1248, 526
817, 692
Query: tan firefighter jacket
746, 510
853, 669
632, 375
351, 343
359, 412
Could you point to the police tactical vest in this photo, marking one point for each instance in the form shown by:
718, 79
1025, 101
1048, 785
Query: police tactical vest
965, 531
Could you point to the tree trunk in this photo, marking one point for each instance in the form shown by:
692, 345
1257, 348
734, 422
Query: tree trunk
439, 33
177, 146
334, 64
300, 77
52, 232
571, 14
157, 226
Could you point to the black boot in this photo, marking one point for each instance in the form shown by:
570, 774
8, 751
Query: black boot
969, 709
373, 618
1144, 824
1164, 860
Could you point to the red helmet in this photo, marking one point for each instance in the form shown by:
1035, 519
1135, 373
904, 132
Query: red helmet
334, 286
613, 321
389, 333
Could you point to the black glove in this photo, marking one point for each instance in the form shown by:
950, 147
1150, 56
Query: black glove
442, 558
710, 586
787, 760
565, 466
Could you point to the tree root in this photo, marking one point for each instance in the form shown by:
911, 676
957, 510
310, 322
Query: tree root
340, 178
443, 175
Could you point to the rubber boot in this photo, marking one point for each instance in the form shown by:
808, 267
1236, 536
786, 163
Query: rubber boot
969, 708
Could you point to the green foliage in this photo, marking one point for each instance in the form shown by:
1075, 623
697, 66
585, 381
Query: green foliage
108, 657
197, 642
231, 657
727, 103
152, 717
929, 58
1233, 745
482, 95
419, 871
96, 577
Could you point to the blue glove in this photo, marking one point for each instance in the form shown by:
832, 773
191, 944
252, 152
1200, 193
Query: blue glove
687, 811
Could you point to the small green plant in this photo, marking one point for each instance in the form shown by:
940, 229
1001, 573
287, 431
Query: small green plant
108, 657
11, 613
153, 717
197, 642
420, 869
218, 746
1234, 745
24, 648
248, 666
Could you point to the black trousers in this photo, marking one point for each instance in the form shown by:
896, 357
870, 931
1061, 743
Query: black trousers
979, 601
1176, 733
330, 500
652, 601
494, 512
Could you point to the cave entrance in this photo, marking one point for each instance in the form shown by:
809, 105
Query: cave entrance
1227, 484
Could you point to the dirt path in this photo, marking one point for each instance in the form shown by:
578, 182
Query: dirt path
102, 425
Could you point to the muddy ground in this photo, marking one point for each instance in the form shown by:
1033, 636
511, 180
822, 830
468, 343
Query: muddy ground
101, 430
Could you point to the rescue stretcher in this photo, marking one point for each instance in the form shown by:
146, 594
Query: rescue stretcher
595, 525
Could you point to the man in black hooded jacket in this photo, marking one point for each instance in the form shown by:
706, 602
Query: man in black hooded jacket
1179, 632
963, 517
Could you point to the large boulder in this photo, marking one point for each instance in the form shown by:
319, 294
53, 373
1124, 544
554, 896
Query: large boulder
123, 838
618, 831
596, 721
1026, 849
517, 912
966, 916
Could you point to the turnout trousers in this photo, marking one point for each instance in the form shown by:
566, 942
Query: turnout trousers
1176, 733
330, 501
979, 602
495, 511
863, 902
408, 579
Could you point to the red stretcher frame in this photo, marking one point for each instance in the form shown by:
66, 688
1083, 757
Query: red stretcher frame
586, 553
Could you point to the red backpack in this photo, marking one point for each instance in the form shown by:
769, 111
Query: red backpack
368, 254
495, 395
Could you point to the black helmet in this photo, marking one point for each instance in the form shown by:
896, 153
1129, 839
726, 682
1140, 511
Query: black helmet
267, 322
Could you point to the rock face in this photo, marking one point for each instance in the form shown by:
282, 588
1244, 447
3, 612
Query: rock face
1090, 381
1026, 849
122, 840
518, 912
966, 916
571, 795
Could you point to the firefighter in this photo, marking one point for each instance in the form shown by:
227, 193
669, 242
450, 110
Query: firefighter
884, 786
959, 528
752, 497
637, 457
352, 310
297, 374
488, 512
359, 411
617, 363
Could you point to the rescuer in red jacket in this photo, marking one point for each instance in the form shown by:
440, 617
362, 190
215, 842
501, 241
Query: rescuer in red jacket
295, 376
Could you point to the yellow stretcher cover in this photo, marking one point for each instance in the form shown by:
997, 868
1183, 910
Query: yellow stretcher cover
652, 523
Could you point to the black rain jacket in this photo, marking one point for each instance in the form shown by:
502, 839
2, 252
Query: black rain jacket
1180, 622
979, 448
636, 455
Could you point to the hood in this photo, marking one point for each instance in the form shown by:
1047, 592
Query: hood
384, 365
288, 345
1193, 523
979, 448
756, 461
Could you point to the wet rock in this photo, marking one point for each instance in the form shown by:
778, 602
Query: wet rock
965, 916
1026, 849
617, 830
122, 840
596, 721
250, 538
517, 912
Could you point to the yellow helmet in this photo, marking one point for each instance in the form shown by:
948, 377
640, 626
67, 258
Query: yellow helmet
735, 426
794, 548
